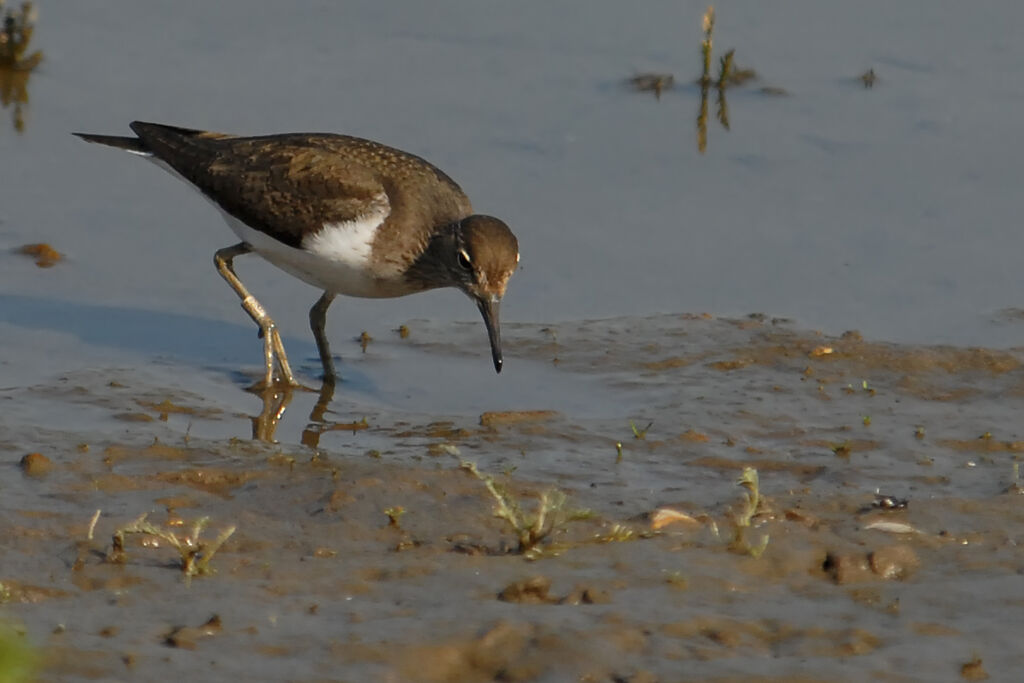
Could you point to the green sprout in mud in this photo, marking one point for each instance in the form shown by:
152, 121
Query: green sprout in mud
618, 452
531, 529
394, 515
195, 554
744, 517
619, 533
640, 434
842, 449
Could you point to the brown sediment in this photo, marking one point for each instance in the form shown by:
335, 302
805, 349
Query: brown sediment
801, 470
515, 417
535, 590
982, 444
974, 670
17, 592
735, 364
45, 255
133, 417
886, 563
669, 363
188, 637
166, 408
218, 481
694, 436
36, 465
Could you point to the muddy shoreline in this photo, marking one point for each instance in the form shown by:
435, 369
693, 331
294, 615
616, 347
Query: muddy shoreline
882, 541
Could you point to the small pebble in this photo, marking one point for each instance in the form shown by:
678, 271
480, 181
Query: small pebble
36, 465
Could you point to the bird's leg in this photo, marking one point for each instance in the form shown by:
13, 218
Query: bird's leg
272, 345
317, 320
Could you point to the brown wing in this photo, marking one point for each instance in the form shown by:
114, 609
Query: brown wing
285, 188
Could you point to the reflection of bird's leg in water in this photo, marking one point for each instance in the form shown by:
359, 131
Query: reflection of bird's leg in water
317, 426
275, 401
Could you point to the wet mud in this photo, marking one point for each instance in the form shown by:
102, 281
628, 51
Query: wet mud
738, 500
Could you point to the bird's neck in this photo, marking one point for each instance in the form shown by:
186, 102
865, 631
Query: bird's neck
431, 268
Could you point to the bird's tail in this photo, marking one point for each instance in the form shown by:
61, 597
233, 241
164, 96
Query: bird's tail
133, 145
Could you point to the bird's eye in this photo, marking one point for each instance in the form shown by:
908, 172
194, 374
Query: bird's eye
464, 260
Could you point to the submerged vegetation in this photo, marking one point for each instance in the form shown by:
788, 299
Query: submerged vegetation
15, 35
729, 75
16, 62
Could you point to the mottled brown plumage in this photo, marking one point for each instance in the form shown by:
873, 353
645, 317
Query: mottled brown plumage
289, 185
346, 214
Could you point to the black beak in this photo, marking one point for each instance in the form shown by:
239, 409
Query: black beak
489, 309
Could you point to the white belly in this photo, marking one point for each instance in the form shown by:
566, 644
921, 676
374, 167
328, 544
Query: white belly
335, 260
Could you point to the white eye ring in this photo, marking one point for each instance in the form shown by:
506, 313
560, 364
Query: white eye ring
464, 259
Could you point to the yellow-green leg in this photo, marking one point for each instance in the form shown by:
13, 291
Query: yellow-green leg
272, 346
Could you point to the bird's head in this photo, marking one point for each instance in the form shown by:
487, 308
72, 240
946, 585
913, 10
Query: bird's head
485, 254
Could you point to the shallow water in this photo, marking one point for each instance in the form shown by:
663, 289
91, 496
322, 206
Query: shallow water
886, 210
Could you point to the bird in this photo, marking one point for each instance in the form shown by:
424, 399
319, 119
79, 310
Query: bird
347, 215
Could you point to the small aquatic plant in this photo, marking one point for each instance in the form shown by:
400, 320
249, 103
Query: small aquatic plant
531, 529
16, 64
394, 515
708, 26
640, 434
195, 553
744, 517
842, 449
15, 35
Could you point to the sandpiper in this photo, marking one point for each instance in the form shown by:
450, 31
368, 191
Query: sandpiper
346, 215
